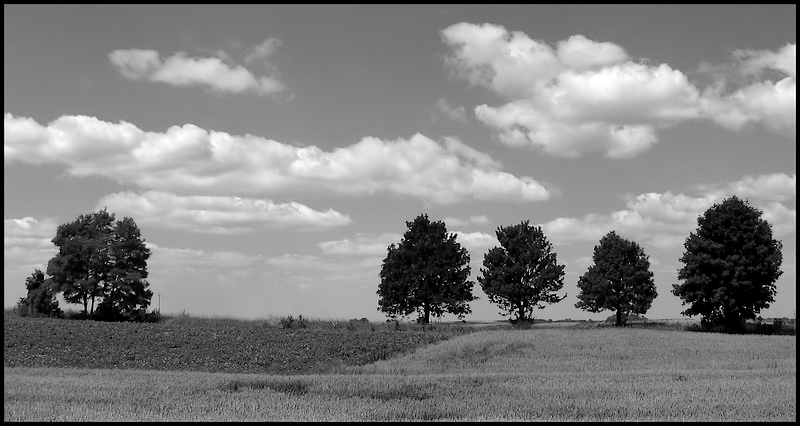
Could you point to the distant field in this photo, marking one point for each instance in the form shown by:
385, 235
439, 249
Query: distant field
546, 373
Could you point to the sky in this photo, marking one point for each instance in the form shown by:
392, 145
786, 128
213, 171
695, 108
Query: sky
271, 153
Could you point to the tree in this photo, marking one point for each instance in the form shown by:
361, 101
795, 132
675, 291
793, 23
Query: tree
620, 279
41, 297
730, 266
102, 261
82, 264
425, 273
523, 272
127, 294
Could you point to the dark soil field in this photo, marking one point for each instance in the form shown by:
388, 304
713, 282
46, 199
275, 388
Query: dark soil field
213, 346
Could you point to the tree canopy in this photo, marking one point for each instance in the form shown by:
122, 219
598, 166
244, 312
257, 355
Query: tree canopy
619, 280
427, 273
41, 297
730, 266
522, 272
102, 261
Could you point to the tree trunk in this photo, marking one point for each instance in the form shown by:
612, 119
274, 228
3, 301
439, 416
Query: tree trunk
521, 316
619, 317
427, 318
732, 323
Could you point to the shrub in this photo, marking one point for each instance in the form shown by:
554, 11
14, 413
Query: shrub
393, 324
524, 324
290, 323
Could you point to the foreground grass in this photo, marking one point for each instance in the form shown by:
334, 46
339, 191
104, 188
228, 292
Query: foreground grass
565, 374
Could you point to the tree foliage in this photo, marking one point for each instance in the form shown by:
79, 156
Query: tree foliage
523, 272
128, 294
730, 266
82, 263
41, 297
427, 273
619, 280
102, 262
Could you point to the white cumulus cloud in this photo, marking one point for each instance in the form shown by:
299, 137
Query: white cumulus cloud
476, 240
584, 96
180, 69
361, 245
774, 105
772, 187
664, 220
579, 53
219, 214
757, 61
188, 160
27, 244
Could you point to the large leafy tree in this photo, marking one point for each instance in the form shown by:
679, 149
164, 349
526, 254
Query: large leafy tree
523, 272
102, 262
620, 279
730, 266
127, 294
427, 273
80, 268
41, 297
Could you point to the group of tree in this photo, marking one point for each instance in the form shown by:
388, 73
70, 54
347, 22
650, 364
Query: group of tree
101, 264
731, 263
730, 267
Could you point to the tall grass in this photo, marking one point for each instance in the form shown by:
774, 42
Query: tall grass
563, 374
575, 350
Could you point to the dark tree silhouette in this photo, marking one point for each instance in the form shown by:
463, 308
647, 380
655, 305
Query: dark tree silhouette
730, 267
41, 297
81, 267
620, 279
425, 273
102, 261
523, 272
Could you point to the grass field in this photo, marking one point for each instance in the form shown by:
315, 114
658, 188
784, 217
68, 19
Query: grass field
488, 374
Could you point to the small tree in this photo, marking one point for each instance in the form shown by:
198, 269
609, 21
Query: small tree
425, 273
620, 279
41, 297
102, 261
730, 267
523, 272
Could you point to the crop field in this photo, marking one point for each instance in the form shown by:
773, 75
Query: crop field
58, 370
205, 345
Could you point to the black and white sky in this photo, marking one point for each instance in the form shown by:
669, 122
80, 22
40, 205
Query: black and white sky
271, 153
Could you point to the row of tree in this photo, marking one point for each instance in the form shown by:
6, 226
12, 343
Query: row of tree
101, 264
730, 267
731, 263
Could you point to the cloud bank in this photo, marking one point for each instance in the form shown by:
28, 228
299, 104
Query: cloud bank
188, 160
664, 220
585, 96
